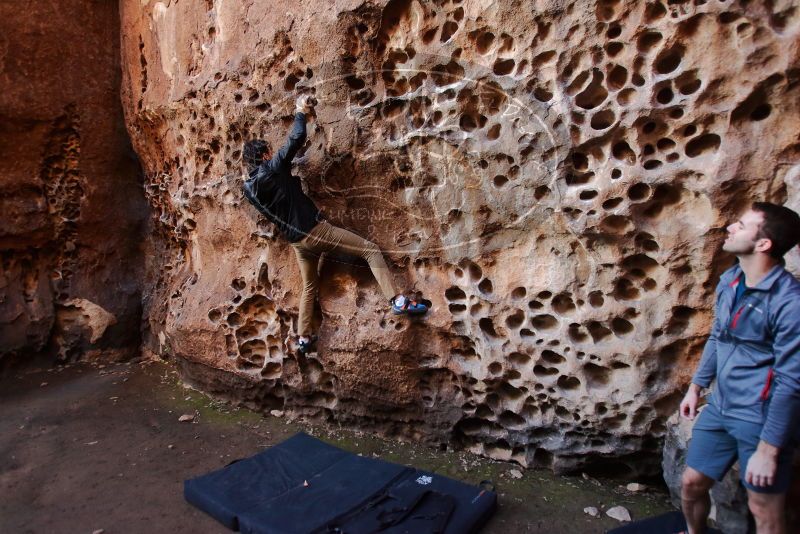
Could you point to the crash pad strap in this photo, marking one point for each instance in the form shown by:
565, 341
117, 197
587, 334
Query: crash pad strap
394, 506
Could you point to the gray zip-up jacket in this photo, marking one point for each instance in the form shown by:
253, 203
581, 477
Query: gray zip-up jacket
754, 353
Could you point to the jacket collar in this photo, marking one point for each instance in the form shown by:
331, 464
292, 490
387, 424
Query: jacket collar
765, 284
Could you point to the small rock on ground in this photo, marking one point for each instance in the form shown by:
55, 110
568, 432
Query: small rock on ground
620, 513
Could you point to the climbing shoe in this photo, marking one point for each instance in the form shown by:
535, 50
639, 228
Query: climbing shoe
402, 305
306, 346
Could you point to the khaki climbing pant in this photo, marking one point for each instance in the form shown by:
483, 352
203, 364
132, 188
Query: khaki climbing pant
328, 238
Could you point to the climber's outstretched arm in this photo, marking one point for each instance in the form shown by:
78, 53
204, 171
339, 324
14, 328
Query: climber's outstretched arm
296, 138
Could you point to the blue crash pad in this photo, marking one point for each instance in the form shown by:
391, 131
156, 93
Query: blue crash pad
668, 523
304, 485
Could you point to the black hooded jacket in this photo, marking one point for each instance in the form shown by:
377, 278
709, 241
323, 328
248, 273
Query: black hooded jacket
277, 194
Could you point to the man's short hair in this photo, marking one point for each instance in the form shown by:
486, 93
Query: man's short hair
781, 226
253, 153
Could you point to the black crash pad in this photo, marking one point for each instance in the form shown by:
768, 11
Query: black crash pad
668, 523
304, 485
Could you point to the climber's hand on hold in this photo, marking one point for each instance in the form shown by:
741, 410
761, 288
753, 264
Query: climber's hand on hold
304, 104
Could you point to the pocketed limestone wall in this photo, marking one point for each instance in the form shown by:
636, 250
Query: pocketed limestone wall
555, 176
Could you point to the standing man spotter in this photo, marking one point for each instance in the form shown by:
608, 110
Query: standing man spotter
278, 195
754, 354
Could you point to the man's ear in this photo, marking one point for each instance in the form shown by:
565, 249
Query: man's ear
764, 245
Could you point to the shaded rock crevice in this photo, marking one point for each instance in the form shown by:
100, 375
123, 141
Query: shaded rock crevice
71, 189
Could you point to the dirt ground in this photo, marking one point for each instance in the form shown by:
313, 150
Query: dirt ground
88, 447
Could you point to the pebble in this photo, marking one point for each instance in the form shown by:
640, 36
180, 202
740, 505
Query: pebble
186, 418
620, 513
592, 511
515, 473
634, 486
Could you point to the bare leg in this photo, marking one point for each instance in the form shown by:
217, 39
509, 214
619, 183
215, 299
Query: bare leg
768, 511
695, 500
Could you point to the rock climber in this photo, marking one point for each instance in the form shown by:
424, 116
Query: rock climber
278, 195
753, 352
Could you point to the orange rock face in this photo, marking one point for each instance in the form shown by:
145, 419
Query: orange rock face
554, 176
71, 205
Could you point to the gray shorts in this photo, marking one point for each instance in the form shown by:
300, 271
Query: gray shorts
717, 442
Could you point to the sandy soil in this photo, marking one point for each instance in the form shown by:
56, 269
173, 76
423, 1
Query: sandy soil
88, 447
